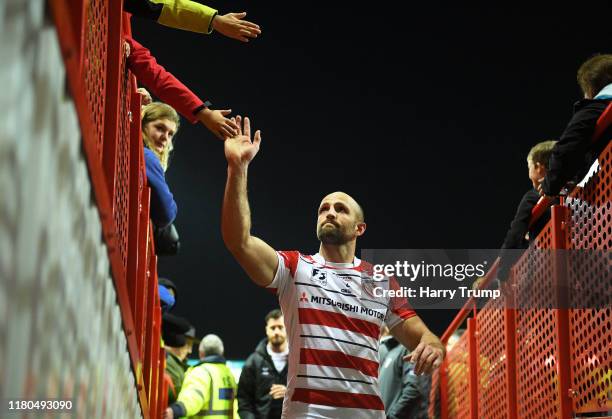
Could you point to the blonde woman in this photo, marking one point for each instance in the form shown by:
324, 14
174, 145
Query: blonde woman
160, 122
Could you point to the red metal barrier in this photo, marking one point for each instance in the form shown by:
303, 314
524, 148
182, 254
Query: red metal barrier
456, 372
541, 379
136, 187
434, 396
90, 30
162, 399
108, 108
604, 121
496, 360
537, 361
591, 329
116, 150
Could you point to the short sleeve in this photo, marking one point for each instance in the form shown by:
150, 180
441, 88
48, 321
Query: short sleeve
399, 308
287, 265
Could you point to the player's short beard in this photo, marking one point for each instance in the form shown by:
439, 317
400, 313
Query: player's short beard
334, 236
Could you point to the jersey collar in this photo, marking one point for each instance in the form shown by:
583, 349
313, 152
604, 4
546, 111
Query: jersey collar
320, 259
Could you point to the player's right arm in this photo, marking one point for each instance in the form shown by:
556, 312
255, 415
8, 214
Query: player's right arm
256, 257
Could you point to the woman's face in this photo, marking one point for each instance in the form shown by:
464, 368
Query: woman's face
160, 133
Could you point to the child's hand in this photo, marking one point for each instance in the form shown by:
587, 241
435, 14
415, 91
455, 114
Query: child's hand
145, 96
217, 123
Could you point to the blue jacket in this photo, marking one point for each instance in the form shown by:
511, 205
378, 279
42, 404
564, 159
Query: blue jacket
163, 207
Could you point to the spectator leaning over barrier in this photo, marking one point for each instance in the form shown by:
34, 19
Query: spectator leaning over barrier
167, 240
178, 337
170, 90
520, 234
209, 388
574, 153
160, 123
333, 333
263, 379
404, 394
194, 17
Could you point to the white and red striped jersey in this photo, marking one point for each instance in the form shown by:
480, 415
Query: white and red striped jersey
333, 321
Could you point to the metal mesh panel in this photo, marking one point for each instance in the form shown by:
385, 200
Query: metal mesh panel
94, 65
591, 208
122, 167
536, 334
591, 329
492, 354
458, 373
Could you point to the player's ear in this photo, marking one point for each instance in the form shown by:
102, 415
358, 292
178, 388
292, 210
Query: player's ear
360, 228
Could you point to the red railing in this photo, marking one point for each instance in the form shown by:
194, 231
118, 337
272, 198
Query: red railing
108, 108
541, 362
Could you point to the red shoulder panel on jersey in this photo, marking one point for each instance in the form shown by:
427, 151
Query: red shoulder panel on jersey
338, 359
339, 321
399, 305
337, 399
291, 258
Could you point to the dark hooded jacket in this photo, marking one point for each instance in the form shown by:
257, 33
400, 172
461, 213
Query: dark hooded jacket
574, 153
256, 379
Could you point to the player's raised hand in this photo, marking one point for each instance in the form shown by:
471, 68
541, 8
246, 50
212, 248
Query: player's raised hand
241, 149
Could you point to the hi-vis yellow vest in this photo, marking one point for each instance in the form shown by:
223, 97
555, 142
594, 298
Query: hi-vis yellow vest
208, 391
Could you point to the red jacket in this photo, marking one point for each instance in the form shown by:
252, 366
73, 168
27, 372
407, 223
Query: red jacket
162, 83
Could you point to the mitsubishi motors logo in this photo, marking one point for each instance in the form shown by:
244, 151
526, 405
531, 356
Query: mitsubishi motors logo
303, 298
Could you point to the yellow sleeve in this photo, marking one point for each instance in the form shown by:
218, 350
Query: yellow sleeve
187, 15
195, 392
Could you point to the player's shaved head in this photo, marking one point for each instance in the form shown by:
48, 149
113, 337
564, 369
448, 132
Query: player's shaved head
349, 200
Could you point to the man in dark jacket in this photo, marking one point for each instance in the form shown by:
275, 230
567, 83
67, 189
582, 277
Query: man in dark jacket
404, 394
263, 380
575, 152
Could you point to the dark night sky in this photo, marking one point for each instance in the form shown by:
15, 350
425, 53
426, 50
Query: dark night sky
423, 113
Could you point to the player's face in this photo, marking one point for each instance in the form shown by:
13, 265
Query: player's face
338, 220
275, 330
159, 134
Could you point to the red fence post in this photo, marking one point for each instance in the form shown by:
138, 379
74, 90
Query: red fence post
444, 390
136, 185
78, 13
163, 384
113, 90
473, 359
560, 225
510, 340
143, 266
